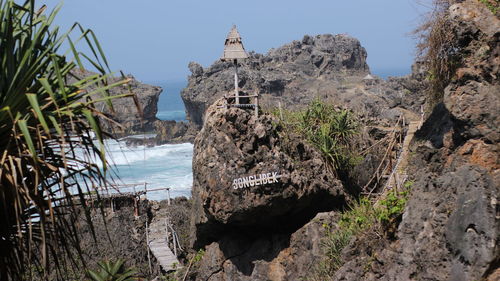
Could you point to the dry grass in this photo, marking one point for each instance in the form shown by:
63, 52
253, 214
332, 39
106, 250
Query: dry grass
437, 48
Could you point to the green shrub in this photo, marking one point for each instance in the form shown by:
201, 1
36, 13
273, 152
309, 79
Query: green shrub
390, 211
329, 129
199, 255
112, 271
360, 217
392, 206
491, 4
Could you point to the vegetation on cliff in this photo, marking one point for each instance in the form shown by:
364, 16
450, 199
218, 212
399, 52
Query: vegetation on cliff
437, 49
329, 129
45, 123
441, 49
359, 218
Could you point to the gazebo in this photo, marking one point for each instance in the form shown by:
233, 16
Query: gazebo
234, 51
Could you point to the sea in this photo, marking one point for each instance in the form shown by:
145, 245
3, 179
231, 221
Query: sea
168, 165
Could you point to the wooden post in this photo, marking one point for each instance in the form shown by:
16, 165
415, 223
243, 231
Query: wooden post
166, 230
168, 195
136, 206
173, 240
236, 91
396, 181
281, 113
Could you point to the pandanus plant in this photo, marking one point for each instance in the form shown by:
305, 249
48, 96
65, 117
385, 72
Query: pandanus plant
112, 271
331, 131
50, 138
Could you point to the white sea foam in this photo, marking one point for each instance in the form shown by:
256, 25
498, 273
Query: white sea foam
168, 165
160, 166
119, 154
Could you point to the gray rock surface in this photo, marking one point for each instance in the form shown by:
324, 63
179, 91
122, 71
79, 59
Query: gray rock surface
233, 144
270, 257
450, 228
329, 67
125, 110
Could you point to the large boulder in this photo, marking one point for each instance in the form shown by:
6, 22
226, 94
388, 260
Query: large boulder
248, 177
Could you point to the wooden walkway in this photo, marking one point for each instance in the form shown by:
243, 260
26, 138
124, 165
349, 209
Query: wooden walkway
163, 254
398, 175
161, 237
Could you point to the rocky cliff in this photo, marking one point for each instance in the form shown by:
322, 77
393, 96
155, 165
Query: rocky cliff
450, 227
330, 67
272, 231
125, 111
252, 190
141, 117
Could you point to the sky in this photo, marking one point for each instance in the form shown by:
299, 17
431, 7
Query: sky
154, 40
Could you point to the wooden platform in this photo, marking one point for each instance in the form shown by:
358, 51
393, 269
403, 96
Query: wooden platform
160, 233
163, 254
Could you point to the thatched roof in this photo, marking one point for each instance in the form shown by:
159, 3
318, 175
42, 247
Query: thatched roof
233, 47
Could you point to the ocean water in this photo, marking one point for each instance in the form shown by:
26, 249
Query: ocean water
160, 166
384, 73
168, 165
177, 115
170, 104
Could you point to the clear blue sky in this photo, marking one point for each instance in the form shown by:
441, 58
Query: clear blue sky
156, 39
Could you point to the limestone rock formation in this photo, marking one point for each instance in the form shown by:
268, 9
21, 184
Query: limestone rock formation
125, 111
234, 144
330, 67
450, 227
278, 256
128, 114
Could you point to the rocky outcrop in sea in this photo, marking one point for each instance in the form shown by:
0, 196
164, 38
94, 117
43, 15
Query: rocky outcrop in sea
139, 116
133, 117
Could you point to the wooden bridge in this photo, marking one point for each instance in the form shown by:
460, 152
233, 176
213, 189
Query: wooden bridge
161, 236
398, 175
394, 174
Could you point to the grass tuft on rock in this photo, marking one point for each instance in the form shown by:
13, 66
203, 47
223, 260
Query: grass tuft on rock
360, 217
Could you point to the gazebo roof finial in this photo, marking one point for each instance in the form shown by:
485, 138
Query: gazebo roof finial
233, 47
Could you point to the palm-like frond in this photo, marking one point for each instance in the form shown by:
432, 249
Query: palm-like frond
51, 137
110, 271
331, 131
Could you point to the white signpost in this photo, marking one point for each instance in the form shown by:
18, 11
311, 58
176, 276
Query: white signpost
256, 180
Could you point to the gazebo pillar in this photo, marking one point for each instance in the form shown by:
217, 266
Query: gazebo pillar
236, 81
234, 50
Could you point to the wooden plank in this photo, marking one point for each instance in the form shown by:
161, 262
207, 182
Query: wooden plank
162, 252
